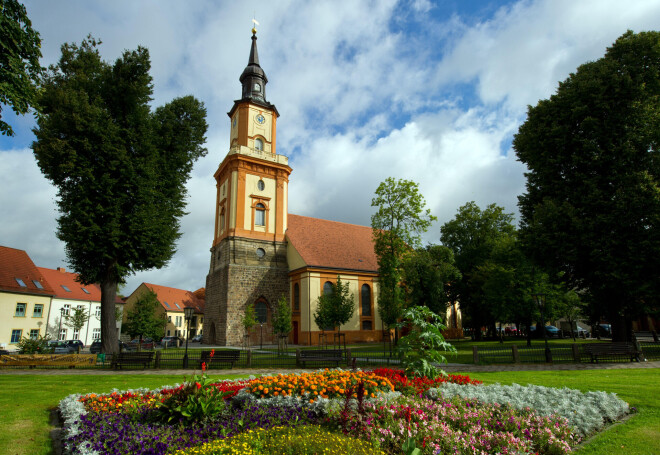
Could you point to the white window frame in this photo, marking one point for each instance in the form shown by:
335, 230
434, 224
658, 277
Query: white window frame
67, 309
98, 311
62, 335
17, 313
96, 334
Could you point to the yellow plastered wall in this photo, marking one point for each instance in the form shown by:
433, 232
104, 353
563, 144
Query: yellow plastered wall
256, 129
269, 190
232, 201
9, 321
222, 195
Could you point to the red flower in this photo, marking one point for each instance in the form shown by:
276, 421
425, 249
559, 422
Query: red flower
203, 366
212, 353
198, 385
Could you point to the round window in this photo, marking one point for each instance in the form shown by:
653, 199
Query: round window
261, 185
261, 253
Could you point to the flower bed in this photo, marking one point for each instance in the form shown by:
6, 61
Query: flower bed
382, 409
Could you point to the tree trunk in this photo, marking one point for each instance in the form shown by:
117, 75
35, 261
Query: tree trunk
109, 338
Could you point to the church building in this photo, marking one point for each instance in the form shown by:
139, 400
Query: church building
260, 252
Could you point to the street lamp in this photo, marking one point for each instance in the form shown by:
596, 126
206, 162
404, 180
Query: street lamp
261, 337
188, 313
59, 332
540, 301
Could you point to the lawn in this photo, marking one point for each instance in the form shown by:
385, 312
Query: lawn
26, 402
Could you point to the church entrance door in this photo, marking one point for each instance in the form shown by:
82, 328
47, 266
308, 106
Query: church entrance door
295, 332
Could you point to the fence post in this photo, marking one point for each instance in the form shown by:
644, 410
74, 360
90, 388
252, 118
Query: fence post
516, 356
157, 360
576, 352
348, 357
249, 358
475, 354
298, 357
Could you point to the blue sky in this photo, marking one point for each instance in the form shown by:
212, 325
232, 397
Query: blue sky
431, 91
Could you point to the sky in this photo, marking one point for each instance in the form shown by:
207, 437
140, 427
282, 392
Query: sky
429, 91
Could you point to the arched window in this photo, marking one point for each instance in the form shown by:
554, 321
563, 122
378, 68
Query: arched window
296, 297
327, 288
258, 144
222, 219
260, 215
365, 296
261, 311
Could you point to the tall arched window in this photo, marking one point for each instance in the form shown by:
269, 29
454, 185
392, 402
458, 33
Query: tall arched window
261, 311
296, 297
258, 144
260, 215
365, 297
327, 288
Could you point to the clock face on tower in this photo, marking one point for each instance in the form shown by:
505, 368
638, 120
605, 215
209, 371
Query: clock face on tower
260, 119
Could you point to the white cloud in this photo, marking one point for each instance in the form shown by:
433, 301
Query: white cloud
366, 90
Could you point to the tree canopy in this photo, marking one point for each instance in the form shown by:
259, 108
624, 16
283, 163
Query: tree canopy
335, 308
119, 167
592, 204
20, 51
397, 226
142, 320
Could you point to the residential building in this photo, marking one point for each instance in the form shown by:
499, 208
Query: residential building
25, 298
70, 294
172, 302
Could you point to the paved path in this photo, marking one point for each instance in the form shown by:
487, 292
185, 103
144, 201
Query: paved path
449, 368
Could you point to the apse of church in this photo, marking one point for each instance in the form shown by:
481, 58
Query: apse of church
261, 253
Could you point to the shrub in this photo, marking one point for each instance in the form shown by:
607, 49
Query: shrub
35, 346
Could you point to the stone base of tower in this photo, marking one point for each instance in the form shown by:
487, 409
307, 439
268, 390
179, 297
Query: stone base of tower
243, 272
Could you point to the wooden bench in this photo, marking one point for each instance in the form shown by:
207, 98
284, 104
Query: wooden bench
646, 336
219, 357
132, 358
319, 355
596, 350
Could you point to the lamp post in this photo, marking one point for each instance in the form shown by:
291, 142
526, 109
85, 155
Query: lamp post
188, 313
261, 336
540, 301
62, 311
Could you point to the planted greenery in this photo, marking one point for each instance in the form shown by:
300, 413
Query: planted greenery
420, 349
586, 412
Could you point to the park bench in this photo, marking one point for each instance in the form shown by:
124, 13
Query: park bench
646, 336
219, 357
319, 355
595, 350
132, 358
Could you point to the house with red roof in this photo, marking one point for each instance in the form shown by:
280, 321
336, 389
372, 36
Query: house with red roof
25, 298
69, 296
261, 253
172, 302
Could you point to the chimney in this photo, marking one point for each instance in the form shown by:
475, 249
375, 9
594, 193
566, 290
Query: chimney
61, 269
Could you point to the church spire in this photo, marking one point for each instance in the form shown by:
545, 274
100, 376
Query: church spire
253, 78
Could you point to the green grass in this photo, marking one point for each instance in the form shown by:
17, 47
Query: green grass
639, 435
26, 402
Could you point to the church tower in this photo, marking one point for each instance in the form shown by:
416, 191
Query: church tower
248, 255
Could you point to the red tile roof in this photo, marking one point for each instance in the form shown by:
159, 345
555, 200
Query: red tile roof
173, 299
60, 277
331, 244
17, 264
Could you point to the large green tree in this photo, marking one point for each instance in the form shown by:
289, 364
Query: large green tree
120, 168
592, 205
399, 222
20, 50
473, 236
426, 273
142, 321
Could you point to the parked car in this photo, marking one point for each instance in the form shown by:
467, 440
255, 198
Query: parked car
550, 330
75, 344
171, 341
581, 333
147, 343
510, 331
95, 347
61, 347
604, 330
197, 338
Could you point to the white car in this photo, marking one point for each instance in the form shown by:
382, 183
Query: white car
197, 339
